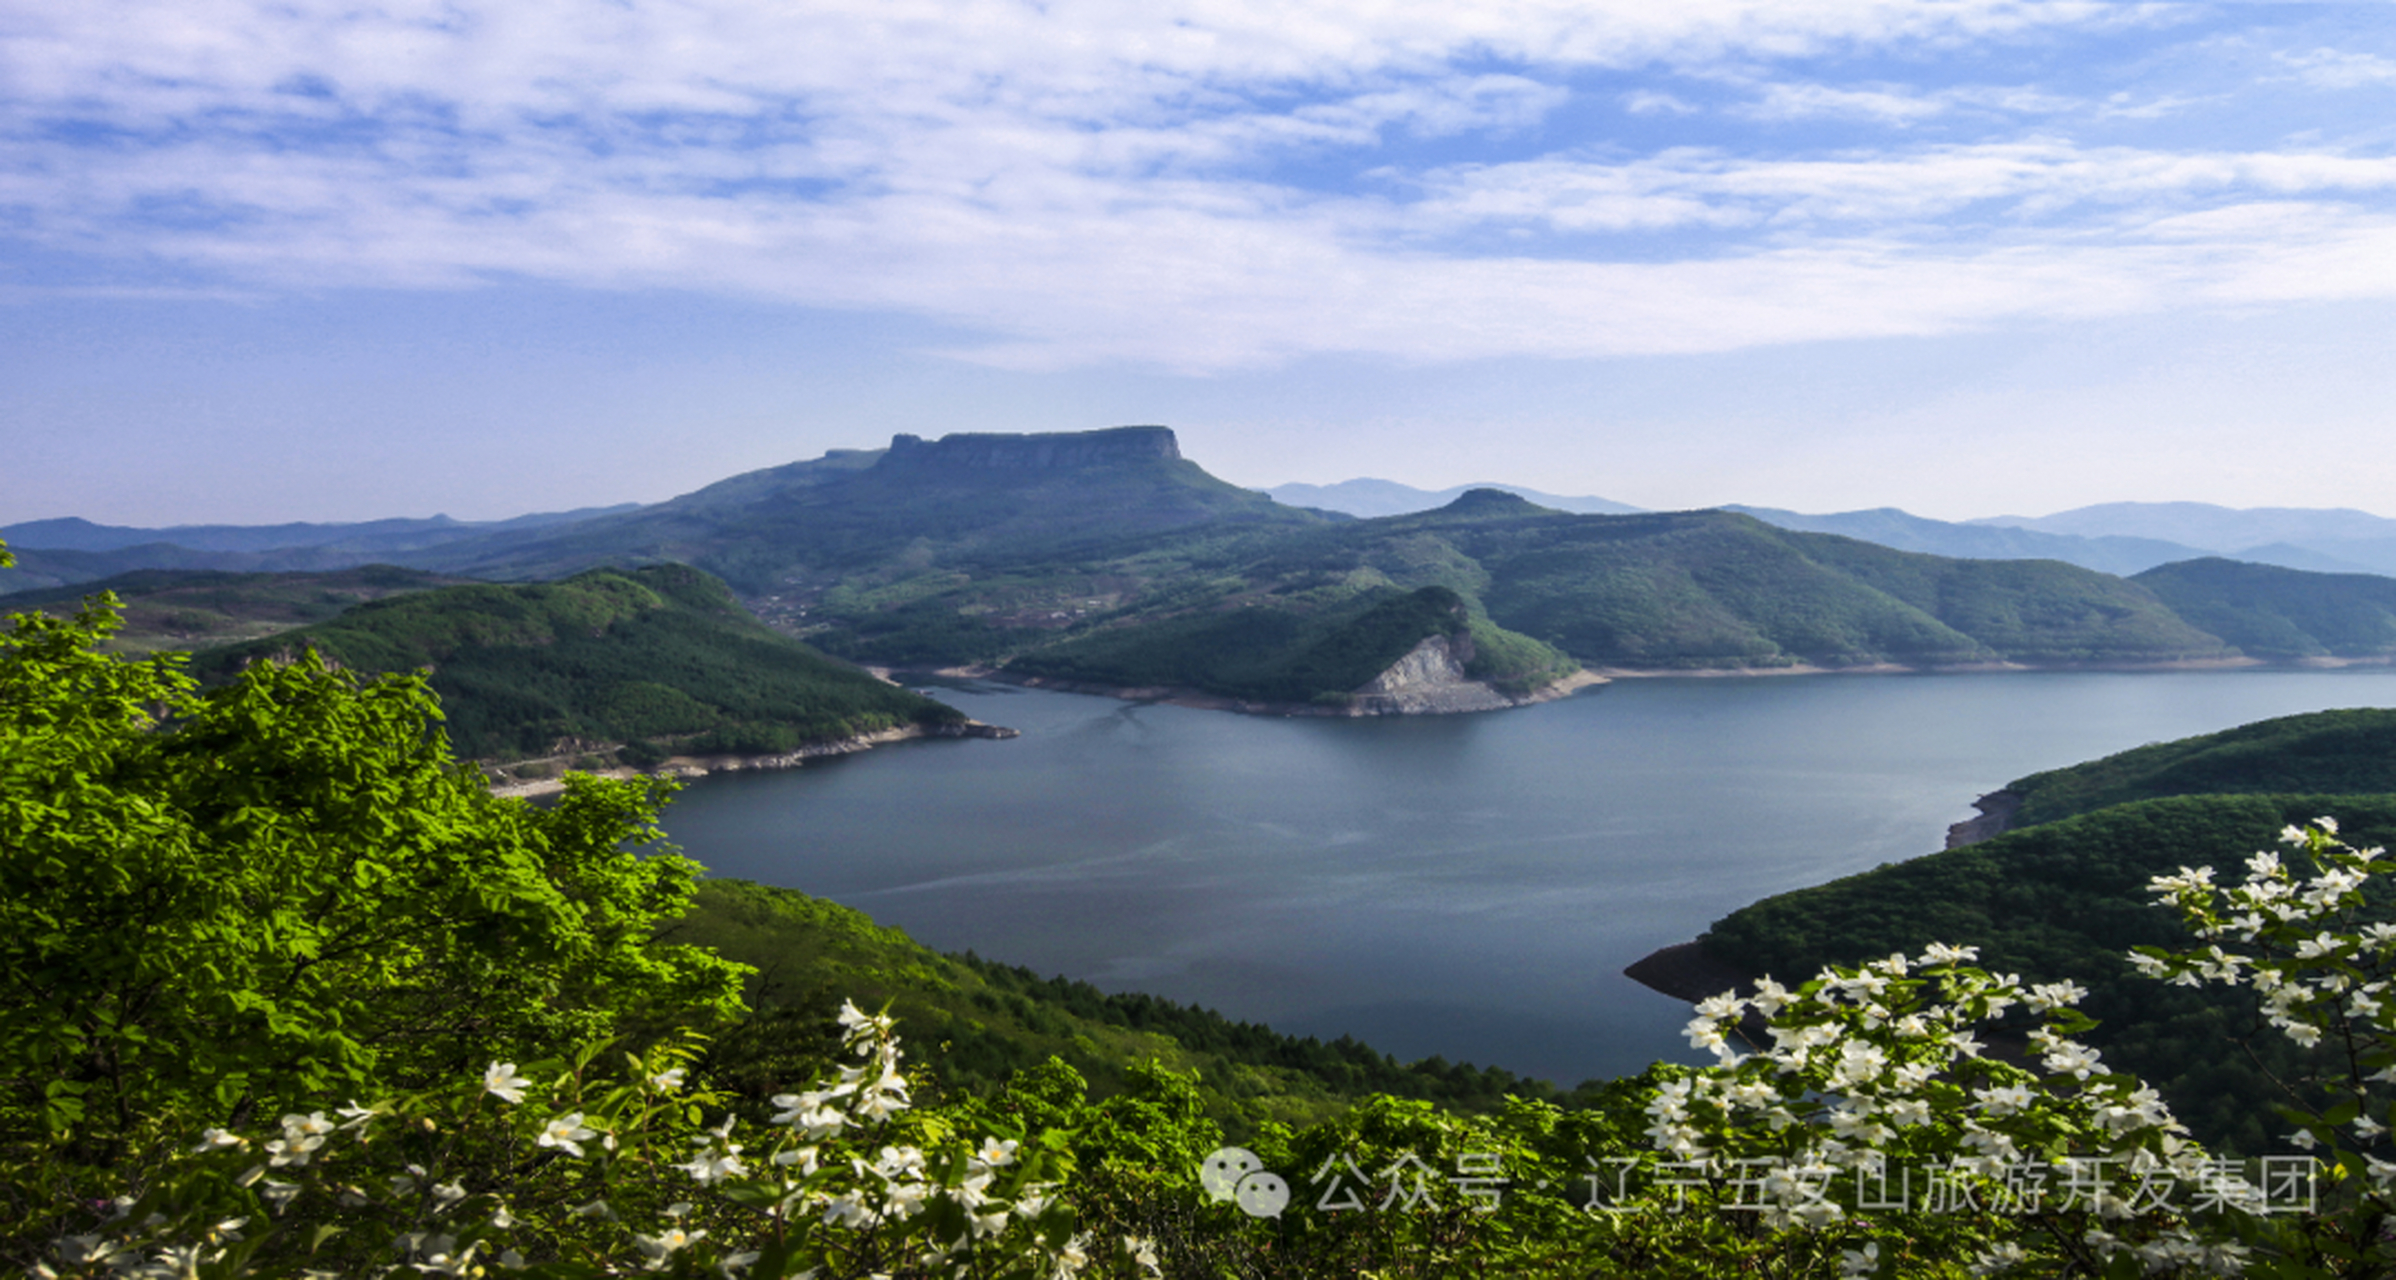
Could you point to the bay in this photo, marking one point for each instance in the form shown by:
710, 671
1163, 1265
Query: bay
1463, 886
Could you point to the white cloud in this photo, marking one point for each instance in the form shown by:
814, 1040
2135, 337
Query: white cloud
2337, 69
1805, 101
1106, 180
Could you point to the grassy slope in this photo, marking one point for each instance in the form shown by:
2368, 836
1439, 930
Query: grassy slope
662, 653
988, 1020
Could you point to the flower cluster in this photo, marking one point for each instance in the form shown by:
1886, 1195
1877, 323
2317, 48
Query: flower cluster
616, 1180
2310, 940
1926, 1060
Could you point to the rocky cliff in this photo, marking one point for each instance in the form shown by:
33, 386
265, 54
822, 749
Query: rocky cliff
1045, 451
1429, 679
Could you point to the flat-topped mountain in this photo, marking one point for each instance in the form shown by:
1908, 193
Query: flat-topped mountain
971, 498
1044, 451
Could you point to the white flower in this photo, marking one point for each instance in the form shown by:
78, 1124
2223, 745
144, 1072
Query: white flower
1941, 953
661, 1246
566, 1133
988, 1224
667, 1081
859, 1022
500, 1078
707, 1168
218, 1140
2076, 1060
2049, 996
2004, 1100
1860, 1262
1770, 997
1726, 1005
302, 1135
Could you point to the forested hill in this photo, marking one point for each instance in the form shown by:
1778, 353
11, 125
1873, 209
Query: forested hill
991, 1019
966, 503
2275, 613
657, 660
2064, 894
1108, 558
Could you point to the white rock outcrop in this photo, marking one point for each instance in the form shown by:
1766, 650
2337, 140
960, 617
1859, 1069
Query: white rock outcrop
1429, 680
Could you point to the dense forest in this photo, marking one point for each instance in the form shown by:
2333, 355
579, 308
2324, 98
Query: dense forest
654, 660
2065, 893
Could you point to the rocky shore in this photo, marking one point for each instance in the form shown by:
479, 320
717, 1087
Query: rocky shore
1429, 680
701, 766
1997, 810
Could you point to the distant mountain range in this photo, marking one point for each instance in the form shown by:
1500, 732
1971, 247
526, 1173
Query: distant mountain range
63, 552
1389, 498
1107, 558
2113, 537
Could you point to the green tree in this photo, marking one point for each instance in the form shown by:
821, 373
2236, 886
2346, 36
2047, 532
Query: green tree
215, 902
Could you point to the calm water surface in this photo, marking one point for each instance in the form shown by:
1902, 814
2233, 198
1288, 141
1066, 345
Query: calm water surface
1468, 886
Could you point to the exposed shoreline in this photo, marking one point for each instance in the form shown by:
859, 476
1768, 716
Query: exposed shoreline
701, 766
1182, 696
1979, 668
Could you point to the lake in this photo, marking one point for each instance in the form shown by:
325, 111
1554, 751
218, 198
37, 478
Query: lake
1466, 886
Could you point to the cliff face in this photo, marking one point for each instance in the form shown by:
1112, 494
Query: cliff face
1430, 679
1046, 451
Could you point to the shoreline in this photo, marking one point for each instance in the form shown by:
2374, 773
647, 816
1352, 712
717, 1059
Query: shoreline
702, 766
1980, 668
1485, 698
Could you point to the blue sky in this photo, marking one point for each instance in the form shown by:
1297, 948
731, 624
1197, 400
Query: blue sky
313, 260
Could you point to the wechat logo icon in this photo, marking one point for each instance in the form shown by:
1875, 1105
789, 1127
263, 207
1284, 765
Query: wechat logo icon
1235, 1174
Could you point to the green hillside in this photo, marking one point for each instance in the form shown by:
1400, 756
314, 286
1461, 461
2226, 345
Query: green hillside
1106, 556
990, 1020
1229, 608
646, 658
2064, 894
1284, 651
969, 502
2281, 614
197, 608
2066, 900
2324, 752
